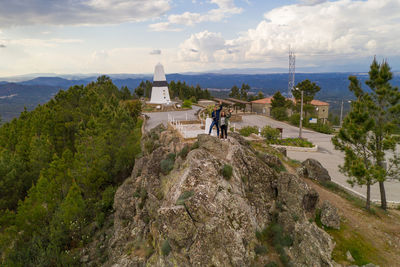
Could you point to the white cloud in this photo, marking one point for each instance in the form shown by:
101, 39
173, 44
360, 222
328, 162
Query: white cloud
163, 26
225, 9
75, 12
322, 32
201, 47
312, 2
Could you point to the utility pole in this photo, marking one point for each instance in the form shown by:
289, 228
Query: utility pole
301, 115
341, 114
292, 71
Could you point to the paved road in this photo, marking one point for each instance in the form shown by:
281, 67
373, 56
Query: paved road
162, 117
326, 154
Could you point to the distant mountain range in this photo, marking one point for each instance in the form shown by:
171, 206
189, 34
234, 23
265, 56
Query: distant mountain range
30, 91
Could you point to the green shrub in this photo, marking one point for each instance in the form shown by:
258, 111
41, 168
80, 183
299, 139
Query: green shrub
167, 164
270, 133
100, 218
291, 142
149, 146
143, 197
321, 127
271, 264
183, 153
260, 250
171, 156
107, 199
279, 113
187, 104
246, 131
227, 171
193, 99
183, 197
165, 248
195, 145
295, 119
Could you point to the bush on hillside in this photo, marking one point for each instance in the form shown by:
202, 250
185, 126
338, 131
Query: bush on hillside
227, 171
167, 164
187, 104
279, 113
246, 131
270, 133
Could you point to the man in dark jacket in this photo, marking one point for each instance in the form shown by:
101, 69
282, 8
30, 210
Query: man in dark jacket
215, 117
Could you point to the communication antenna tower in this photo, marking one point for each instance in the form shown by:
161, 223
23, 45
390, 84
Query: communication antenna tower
292, 71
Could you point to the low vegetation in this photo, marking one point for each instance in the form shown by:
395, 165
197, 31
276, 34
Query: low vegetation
165, 248
269, 133
183, 153
291, 142
167, 164
248, 130
227, 171
187, 104
274, 236
183, 197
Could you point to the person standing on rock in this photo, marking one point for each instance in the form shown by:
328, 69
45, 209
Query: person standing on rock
215, 116
224, 124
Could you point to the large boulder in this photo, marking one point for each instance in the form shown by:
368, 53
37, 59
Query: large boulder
312, 169
329, 215
197, 216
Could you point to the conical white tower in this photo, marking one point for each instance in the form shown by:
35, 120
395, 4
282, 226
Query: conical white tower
159, 92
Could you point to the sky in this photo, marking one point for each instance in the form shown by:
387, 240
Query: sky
131, 36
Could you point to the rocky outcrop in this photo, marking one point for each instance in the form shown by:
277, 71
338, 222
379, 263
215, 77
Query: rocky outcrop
197, 215
312, 169
329, 215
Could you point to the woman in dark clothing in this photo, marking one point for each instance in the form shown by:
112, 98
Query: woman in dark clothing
224, 121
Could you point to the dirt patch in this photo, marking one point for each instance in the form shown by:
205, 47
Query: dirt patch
380, 230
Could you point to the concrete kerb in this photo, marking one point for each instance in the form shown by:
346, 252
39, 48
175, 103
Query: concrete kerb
298, 148
390, 204
288, 148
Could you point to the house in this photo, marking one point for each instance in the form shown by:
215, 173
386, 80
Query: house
263, 106
241, 104
322, 109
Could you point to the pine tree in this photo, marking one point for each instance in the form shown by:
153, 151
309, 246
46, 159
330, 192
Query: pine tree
279, 106
234, 92
376, 114
244, 90
353, 139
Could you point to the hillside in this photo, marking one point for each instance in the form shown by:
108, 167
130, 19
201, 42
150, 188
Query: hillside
214, 203
60, 165
39, 90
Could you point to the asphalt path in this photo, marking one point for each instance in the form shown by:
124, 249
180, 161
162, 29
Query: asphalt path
326, 155
162, 117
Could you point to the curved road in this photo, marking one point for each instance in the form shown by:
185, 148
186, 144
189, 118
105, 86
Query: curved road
162, 117
326, 154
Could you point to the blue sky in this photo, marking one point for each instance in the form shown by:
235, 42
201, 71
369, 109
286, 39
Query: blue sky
131, 36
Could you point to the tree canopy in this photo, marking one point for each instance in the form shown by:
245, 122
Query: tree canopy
59, 167
368, 133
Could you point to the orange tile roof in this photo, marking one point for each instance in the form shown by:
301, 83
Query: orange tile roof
267, 100
315, 102
263, 101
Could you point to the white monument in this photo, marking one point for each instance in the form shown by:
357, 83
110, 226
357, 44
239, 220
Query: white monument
159, 92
